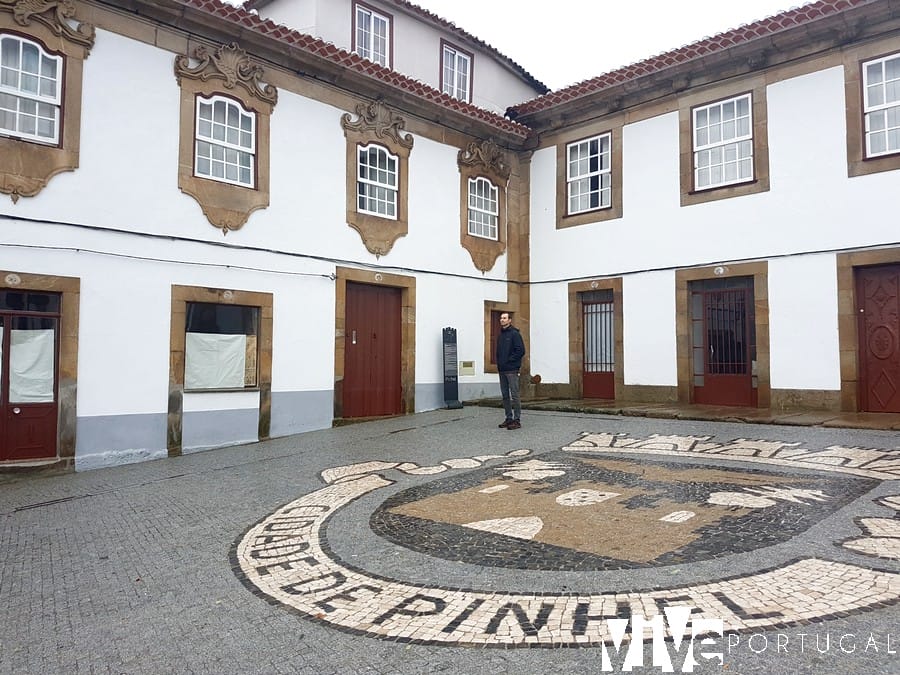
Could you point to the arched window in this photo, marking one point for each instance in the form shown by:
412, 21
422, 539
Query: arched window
484, 208
30, 87
377, 181
226, 141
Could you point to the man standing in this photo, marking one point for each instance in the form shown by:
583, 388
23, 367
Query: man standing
510, 350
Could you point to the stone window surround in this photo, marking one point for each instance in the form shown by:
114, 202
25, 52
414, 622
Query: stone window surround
181, 295
227, 206
377, 124
611, 212
407, 286
756, 87
26, 167
70, 289
576, 333
857, 163
848, 333
483, 159
760, 273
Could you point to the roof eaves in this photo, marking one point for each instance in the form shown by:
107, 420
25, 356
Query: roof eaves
742, 35
250, 21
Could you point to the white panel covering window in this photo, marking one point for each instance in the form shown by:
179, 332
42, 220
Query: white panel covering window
373, 36
377, 181
31, 365
588, 174
226, 141
484, 208
456, 69
723, 143
220, 350
882, 105
30, 90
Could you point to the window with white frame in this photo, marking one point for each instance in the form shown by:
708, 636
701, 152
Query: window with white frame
881, 81
723, 143
484, 208
226, 141
456, 73
30, 90
588, 174
377, 173
373, 35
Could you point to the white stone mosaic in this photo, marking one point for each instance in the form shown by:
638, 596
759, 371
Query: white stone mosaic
584, 497
678, 517
883, 534
867, 462
282, 556
525, 527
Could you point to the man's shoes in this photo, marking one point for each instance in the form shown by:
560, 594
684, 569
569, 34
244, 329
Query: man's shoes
513, 424
505, 424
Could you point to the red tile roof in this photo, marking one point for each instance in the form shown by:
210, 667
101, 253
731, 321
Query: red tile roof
744, 34
252, 22
449, 26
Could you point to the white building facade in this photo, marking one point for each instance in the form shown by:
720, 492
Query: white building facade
268, 234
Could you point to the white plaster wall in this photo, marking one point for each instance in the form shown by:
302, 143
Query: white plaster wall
220, 400
303, 335
810, 206
803, 323
453, 303
549, 331
297, 14
648, 323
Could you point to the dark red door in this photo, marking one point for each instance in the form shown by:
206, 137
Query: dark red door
878, 312
28, 375
372, 348
599, 345
723, 344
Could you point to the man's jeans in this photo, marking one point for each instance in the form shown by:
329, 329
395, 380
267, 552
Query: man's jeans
509, 390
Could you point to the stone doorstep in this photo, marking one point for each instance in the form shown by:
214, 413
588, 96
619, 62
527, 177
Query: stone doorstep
825, 418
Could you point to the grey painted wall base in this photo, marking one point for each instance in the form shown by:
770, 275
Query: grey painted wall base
294, 412
110, 440
431, 396
204, 429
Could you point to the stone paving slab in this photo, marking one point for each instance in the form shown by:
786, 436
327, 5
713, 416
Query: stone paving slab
439, 543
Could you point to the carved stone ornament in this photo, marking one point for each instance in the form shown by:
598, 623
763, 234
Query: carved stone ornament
229, 64
486, 155
56, 16
378, 119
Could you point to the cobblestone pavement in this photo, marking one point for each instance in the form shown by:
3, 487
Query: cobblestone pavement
439, 543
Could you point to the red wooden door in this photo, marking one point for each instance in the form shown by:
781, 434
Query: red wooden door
723, 342
878, 312
372, 348
28, 375
599, 345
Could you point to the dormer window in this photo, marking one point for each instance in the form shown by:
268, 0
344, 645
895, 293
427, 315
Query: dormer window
372, 35
456, 72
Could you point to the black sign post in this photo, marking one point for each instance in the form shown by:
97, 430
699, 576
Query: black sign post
451, 370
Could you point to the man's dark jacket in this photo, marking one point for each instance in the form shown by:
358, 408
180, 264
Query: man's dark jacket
510, 349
